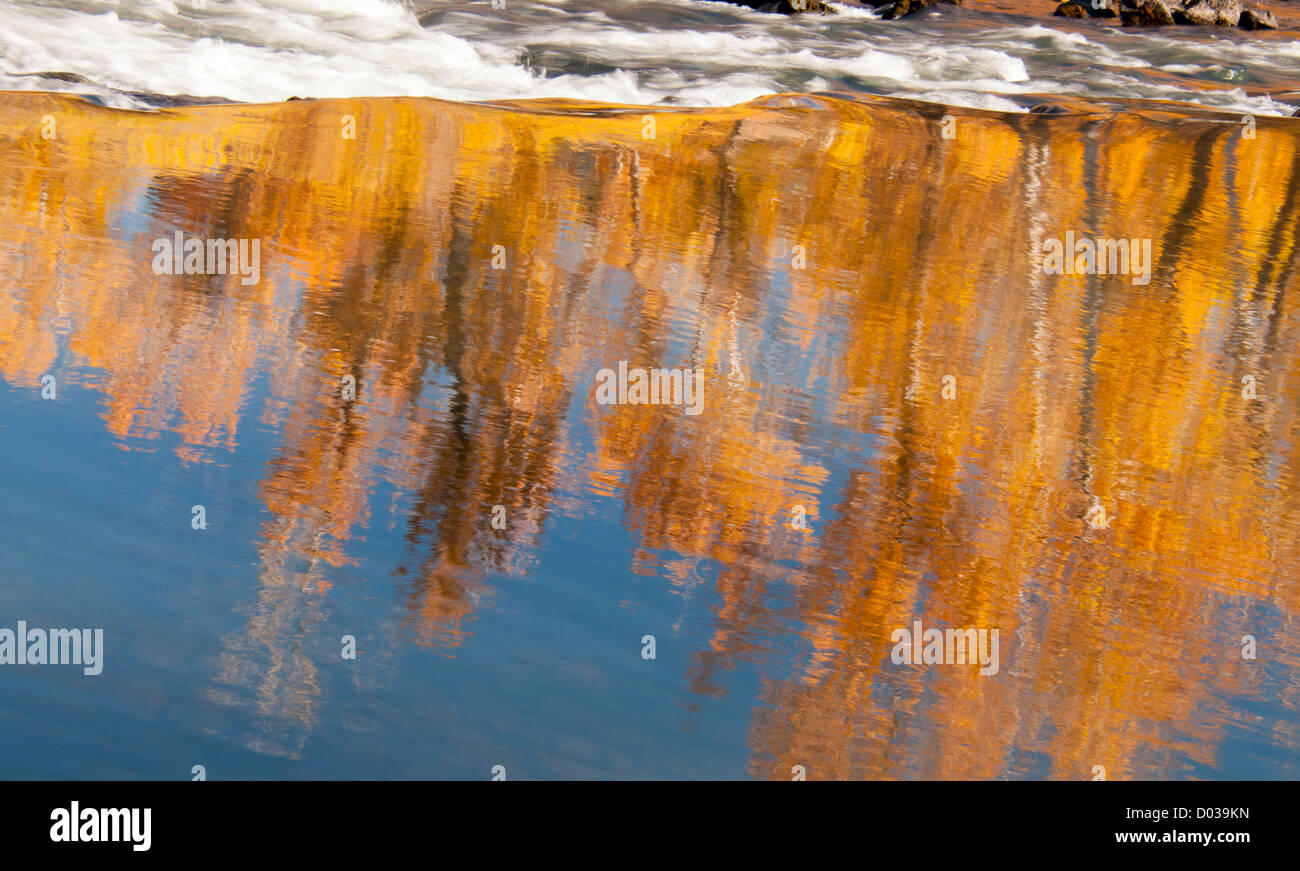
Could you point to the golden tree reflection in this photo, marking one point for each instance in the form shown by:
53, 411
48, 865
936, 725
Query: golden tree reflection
824, 388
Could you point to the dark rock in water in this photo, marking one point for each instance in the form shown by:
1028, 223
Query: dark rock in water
1258, 19
170, 101
787, 7
1047, 109
902, 8
1086, 9
1071, 9
59, 77
1146, 13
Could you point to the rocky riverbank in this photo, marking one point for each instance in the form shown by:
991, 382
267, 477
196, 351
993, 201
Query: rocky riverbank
1202, 13
1128, 13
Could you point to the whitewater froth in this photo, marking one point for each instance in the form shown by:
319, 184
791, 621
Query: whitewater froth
674, 51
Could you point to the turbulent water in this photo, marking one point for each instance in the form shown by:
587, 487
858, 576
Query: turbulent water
643, 52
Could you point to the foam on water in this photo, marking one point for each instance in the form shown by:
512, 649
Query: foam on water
679, 51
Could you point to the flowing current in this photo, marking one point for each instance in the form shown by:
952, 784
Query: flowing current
657, 52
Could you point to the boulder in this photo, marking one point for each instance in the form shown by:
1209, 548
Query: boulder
787, 7
59, 77
1257, 19
1086, 9
1200, 14
1146, 13
1226, 12
900, 8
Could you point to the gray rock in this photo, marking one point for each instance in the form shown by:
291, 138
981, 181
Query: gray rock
1224, 13
1257, 19
1146, 13
1229, 11
1196, 13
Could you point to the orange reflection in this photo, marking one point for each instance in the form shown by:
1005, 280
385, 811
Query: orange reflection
916, 262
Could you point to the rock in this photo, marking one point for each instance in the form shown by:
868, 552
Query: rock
787, 7
1146, 13
901, 8
1226, 12
1200, 14
1086, 9
58, 77
1257, 19
1047, 109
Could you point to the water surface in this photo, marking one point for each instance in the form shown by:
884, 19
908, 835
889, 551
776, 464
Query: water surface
882, 351
646, 52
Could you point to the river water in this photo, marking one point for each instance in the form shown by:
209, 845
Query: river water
685, 52
397, 433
